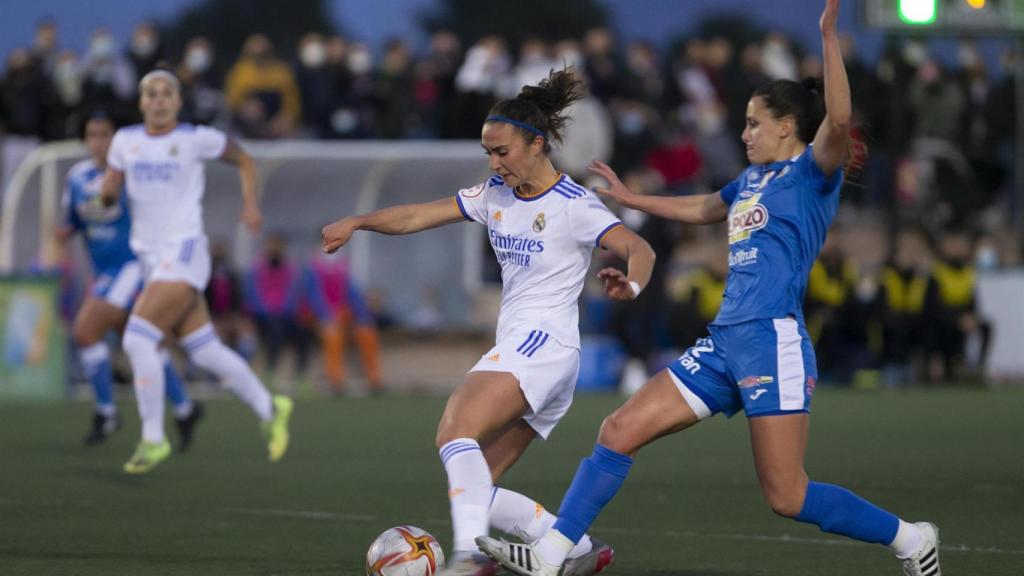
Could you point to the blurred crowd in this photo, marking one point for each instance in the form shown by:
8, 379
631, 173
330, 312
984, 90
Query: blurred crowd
932, 166
680, 110
881, 309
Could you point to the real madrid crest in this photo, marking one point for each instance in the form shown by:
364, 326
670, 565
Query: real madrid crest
539, 223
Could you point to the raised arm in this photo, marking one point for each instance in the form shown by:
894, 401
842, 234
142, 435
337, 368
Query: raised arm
831, 141
394, 221
251, 216
695, 209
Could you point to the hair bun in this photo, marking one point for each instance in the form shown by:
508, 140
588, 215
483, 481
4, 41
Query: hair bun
813, 85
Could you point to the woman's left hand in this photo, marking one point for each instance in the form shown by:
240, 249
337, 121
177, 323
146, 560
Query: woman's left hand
252, 217
829, 17
616, 285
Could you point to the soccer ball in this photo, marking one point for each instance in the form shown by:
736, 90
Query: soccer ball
404, 551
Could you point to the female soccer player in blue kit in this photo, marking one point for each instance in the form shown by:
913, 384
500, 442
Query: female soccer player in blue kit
758, 357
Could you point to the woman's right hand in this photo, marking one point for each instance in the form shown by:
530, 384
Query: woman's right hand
337, 234
616, 189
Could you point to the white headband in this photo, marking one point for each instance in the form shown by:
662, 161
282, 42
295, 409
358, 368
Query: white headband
161, 74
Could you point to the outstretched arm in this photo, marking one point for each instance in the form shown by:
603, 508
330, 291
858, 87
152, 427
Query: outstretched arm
830, 143
695, 209
252, 217
396, 220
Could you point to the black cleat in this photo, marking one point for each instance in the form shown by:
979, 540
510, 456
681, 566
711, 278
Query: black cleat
102, 428
186, 426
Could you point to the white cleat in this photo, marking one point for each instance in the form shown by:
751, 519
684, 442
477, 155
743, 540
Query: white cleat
517, 558
925, 562
469, 564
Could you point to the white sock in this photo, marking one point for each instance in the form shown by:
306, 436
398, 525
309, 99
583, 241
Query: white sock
469, 489
140, 342
907, 541
553, 548
208, 352
522, 517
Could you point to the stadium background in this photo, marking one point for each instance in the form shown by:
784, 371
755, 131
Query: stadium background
384, 119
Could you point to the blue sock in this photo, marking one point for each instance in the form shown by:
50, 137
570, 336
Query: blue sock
174, 387
837, 510
597, 480
96, 363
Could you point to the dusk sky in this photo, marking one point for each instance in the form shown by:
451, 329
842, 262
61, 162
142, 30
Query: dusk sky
375, 21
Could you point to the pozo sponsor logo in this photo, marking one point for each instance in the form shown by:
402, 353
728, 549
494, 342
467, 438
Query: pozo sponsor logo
747, 217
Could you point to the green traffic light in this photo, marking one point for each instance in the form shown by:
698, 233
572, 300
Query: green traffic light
918, 11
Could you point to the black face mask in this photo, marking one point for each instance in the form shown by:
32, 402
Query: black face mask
275, 261
957, 261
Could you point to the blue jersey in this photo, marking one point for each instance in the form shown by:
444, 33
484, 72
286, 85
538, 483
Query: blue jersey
779, 214
106, 230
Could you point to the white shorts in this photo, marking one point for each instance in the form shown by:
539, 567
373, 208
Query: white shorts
119, 286
181, 261
546, 370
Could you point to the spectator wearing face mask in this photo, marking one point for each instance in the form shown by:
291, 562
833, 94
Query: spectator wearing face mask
146, 50
202, 98
108, 78
262, 93
63, 99
951, 312
394, 91
353, 111
45, 46
315, 83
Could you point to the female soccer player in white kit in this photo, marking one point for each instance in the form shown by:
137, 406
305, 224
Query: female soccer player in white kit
161, 164
758, 357
543, 228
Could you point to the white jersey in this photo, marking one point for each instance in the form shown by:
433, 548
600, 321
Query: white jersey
544, 243
165, 179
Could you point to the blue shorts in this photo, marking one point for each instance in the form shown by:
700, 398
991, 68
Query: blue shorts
763, 367
120, 285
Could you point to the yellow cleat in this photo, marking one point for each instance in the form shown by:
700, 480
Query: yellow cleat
276, 429
147, 455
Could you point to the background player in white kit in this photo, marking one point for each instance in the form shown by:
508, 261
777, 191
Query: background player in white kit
117, 281
543, 228
161, 163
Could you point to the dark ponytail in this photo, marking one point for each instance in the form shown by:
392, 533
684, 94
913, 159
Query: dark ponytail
804, 101
540, 107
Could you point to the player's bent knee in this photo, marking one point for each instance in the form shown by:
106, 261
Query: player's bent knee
84, 335
785, 502
617, 435
134, 344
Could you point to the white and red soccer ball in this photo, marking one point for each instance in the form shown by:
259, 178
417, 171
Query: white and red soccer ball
404, 551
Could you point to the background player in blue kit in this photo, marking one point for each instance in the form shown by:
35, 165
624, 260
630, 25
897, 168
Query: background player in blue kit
758, 357
118, 280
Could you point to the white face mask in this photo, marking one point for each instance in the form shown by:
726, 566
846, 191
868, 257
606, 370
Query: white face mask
101, 46
198, 60
360, 61
986, 259
313, 55
65, 71
143, 45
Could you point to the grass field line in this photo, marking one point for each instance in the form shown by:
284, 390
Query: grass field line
321, 515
